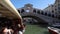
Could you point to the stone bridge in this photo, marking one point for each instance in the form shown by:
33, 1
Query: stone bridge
40, 17
38, 14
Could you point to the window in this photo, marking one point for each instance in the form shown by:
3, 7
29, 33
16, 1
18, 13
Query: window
45, 13
19, 11
22, 10
49, 14
52, 15
52, 11
42, 12
55, 9
59, 17
58, 8
59, 11
34, 10
38, 11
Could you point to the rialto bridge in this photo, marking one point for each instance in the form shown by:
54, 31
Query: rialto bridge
38, 14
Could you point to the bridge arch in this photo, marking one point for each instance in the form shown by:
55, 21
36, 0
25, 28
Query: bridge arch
40, 21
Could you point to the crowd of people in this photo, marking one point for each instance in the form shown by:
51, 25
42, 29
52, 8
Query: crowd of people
8, 26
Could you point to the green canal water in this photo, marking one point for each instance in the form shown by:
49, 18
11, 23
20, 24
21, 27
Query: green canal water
35, 29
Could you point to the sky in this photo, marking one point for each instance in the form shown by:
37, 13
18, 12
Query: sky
40, 4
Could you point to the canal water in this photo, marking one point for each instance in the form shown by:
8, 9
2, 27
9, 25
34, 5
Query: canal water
35, 29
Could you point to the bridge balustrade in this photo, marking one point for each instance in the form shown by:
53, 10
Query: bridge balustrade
46, 18
43, 15
38, 12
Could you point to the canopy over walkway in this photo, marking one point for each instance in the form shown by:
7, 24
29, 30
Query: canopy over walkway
8, 10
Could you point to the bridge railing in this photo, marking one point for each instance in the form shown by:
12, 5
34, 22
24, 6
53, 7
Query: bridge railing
45, 18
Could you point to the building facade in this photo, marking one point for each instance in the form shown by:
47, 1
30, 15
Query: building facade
57, 8
50, 11
54, 9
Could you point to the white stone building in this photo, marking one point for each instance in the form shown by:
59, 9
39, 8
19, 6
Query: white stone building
54, 9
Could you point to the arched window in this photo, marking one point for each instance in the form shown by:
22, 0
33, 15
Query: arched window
34, 10
52, 11
52, 15
56, 16
49, 14
42, 12
59, 17
45, 13
38, 11
19, 11
22, 11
